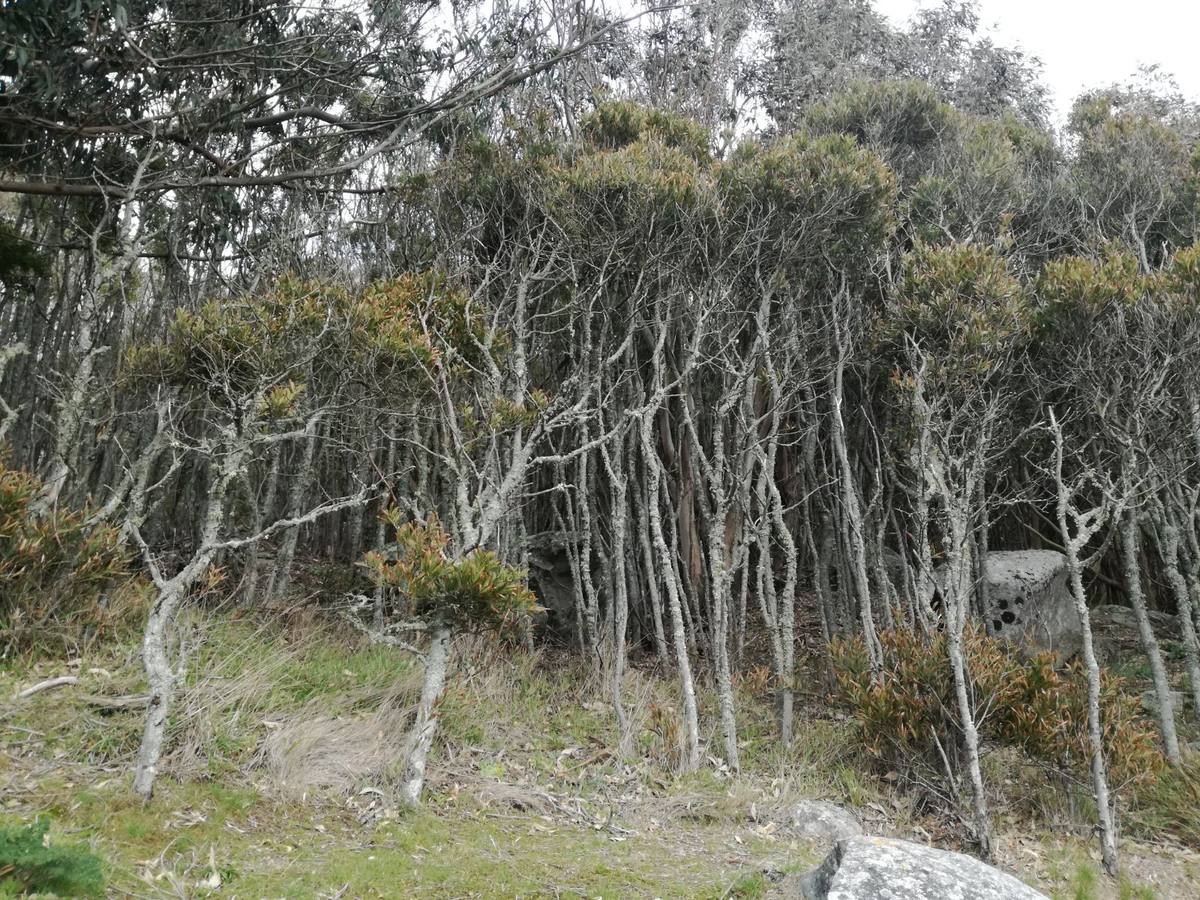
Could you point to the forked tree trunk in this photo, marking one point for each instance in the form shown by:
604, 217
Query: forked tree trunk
691, 761
162, 675
1108, 834
1086, 526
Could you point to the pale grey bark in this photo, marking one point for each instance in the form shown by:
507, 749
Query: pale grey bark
717, 516
853, 523
8, 415
951, 483
1167, 537
776, 508
1131, 564
159, 654
424, 726
649, 570
281, 576
72, 411
1077, 529
162, 676
691, 761
587, 592
957, 603
614, 465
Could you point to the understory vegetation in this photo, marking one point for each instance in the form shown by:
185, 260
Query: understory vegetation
521, 447
284, 772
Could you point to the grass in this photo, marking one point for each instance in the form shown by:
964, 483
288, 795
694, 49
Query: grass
217, 819
1079, 878
1169, 805
259, 846
526, 796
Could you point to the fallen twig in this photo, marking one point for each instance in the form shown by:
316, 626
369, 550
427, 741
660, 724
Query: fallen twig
127, 702
46, 685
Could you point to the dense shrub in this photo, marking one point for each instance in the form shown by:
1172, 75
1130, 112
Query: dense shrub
474, 591
30, 864
909, 717
54, 568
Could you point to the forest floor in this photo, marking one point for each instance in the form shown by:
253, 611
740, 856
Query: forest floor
278, 782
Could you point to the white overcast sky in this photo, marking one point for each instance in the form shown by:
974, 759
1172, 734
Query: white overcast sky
1090, 43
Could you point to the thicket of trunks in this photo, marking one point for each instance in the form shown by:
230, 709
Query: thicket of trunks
709, 382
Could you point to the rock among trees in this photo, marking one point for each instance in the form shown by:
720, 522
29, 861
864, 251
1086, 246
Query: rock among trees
1028, 600
876, 868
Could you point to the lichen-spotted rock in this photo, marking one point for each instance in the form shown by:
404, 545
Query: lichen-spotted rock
875, 868
1028, 601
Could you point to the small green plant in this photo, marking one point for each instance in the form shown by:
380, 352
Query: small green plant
1083, 883
29, 863
449, 594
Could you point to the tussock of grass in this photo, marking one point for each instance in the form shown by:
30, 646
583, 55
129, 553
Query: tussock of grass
320, 752
1169, 805
525, 783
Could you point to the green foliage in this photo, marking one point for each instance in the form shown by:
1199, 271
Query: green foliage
1091, 314
19, 261
903, 120
616, 125
29, 863
1134, 170
481, 423
985, 183
807, 197
910, 715
54, 568
642, 191
1178, 290
960, 306
269, 345
473, 591
962, 177
1075, 290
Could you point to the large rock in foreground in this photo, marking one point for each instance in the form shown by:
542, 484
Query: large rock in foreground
874, 868
1029, 601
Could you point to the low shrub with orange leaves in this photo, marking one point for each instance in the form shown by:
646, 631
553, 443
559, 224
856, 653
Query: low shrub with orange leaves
54, 568
909, 715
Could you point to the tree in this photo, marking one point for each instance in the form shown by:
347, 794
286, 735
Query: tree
445, 592
231, 382
956, 331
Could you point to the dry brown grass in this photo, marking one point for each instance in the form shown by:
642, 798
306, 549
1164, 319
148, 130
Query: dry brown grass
310, 753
